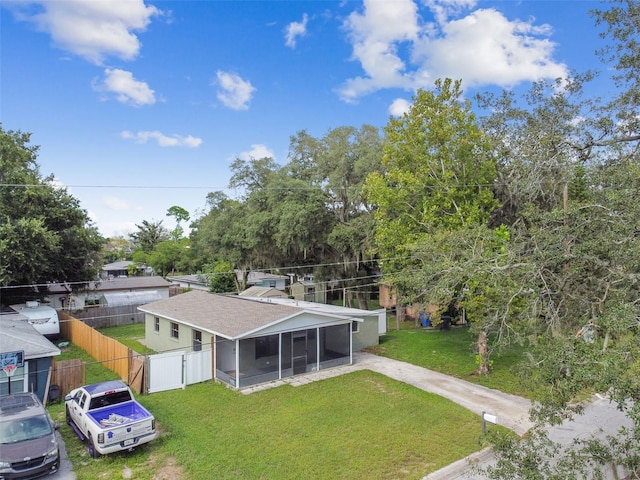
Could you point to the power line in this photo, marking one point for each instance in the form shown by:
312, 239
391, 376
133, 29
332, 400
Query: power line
262, 270
267, 188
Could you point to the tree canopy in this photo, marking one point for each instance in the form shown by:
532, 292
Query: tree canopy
310, 211
437, 172
45, 236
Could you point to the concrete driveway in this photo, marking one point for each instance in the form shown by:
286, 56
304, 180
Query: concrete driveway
511, 411
66, 469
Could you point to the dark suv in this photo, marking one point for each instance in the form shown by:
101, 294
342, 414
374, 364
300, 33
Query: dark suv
28, 445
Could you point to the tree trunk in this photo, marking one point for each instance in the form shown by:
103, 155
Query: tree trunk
362, 301
483, 353
400, 312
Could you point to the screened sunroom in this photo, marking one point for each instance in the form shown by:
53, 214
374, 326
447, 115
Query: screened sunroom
248, 361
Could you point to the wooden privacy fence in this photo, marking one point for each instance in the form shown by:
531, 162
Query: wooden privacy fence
112, 354
103, 316
68, 374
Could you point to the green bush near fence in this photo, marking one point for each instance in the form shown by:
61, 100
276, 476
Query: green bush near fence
131, 335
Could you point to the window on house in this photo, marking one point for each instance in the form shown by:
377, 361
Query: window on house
355, 327
156, 325
175, 332
13, 384
197, 340
272, 283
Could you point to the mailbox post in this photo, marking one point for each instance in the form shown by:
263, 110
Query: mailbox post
488, 417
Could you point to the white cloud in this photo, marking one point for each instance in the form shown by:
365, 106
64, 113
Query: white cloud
443, 9
399, 107
163, 140
233, 91
115, 203
91, 29
295, 30
486, 48
257, 152
127, 89
481, 48
375, 35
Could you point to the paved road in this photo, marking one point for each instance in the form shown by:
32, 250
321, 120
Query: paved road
601, 417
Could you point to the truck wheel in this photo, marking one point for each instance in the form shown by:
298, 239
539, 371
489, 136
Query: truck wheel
93, 451
67, 415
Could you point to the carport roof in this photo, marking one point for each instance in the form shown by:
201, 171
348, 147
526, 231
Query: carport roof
228, 316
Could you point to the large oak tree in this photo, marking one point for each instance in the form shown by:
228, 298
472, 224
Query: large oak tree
45, 235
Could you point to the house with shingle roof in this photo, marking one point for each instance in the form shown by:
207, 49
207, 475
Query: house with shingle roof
253, 279
255, 340
18, 335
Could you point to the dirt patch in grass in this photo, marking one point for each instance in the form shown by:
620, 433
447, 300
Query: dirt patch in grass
167, 470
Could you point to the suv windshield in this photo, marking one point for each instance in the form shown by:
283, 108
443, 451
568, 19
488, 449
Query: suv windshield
19, 430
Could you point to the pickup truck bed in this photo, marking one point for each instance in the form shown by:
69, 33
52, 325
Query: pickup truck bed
117, 415
108, 418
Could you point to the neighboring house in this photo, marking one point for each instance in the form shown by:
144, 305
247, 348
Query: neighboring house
192, 282
100, 293
262, 279
255, 279
263, 292
60, 295
38, 352
121, 269
258, 340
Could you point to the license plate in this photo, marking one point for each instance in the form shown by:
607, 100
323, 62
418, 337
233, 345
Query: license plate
131, 441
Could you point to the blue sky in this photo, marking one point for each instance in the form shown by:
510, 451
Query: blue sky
141, 105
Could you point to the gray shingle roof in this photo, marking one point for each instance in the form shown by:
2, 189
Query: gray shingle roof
229, 316
20, 335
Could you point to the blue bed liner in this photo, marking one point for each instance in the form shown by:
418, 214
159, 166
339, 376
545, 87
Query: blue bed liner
132, 411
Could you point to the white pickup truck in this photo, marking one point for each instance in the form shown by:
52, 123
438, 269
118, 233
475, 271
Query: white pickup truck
107, 416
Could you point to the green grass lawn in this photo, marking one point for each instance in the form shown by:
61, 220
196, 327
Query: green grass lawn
130, 335
362, 425
451, 352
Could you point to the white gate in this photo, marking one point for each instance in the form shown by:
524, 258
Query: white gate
199, 367
165, 371
168, 371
